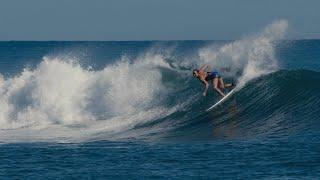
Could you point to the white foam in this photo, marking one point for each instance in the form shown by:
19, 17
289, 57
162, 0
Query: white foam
59, 94
251, 56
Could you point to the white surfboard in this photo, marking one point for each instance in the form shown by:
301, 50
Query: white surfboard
222, 100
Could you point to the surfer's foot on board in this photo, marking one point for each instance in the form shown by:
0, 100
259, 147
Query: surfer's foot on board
231, 85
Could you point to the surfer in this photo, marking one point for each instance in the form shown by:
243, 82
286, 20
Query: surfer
213, 76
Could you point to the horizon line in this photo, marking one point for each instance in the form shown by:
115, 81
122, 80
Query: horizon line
147, 40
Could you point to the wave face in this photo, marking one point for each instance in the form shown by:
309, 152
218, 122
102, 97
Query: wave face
148, 92
279, 104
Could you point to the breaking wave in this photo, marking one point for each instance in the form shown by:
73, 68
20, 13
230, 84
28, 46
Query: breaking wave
150, 95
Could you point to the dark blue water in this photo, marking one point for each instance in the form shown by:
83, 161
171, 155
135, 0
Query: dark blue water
295, 157
132, 110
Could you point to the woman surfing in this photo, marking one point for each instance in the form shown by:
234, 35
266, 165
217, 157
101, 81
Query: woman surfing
213, 76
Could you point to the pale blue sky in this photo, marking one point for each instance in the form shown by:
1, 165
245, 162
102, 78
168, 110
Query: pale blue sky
153, 19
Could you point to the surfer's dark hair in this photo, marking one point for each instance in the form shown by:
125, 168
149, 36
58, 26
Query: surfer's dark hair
194, 70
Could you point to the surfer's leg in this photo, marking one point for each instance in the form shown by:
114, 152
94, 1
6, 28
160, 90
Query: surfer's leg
222, 85
215, 82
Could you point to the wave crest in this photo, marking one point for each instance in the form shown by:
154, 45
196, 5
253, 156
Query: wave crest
249, 57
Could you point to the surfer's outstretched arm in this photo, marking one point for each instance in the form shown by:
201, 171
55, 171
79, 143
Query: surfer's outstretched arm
204, 67
207, 86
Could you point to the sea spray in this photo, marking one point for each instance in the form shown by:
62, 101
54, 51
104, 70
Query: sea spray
59, 92
247, 58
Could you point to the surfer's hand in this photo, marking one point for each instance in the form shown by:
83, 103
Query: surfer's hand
204, 94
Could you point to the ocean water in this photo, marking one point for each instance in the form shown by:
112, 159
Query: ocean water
132, 110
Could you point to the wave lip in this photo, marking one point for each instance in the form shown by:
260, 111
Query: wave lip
249, 57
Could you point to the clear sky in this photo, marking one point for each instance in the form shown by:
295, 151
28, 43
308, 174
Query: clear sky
153, 19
